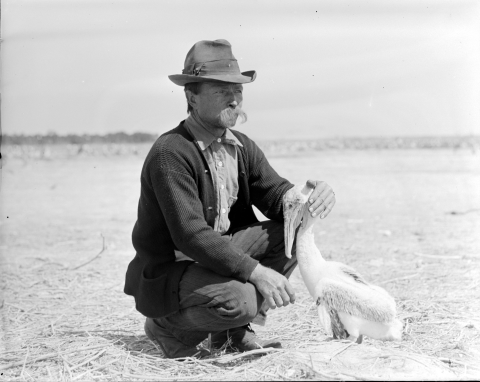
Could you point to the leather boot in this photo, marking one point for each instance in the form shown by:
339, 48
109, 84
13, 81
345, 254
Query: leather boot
243, 339
170, 345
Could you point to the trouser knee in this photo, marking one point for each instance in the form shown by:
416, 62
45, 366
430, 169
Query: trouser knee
242, 304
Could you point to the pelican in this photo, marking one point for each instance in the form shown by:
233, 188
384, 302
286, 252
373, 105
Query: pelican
348, 306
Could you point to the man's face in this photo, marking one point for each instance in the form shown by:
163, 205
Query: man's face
216, 103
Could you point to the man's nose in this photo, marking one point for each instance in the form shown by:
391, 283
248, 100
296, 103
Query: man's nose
233, 99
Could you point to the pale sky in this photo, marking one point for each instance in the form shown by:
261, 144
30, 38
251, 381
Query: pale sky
324, 68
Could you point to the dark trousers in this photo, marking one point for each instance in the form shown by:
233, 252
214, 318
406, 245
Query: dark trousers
211, 303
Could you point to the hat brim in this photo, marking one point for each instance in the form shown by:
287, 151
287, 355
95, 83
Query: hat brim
242, 78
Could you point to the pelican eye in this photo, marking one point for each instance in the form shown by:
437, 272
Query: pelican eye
290, 205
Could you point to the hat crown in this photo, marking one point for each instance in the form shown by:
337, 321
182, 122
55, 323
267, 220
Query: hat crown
205, 51
212, 61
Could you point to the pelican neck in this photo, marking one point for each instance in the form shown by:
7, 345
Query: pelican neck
310, 261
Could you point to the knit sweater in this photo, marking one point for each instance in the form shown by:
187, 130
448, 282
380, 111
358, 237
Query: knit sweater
176, 212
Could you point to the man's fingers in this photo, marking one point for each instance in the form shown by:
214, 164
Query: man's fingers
278, 300
281, 297
318, 188
285, 298
320, 202
290, 292
271, 303
319, 205
322, 208
327, 210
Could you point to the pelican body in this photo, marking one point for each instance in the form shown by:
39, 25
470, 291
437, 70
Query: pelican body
348, 306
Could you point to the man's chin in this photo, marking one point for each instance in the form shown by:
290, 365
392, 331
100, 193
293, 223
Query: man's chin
227, 124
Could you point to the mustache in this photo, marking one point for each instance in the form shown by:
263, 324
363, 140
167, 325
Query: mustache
229, 116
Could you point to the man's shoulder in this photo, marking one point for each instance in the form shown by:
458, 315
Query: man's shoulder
176, 139
170, 146
177, 135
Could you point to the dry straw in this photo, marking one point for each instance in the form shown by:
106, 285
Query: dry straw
69, 320
67, 324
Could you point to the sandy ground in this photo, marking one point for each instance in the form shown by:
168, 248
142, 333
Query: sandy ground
408, 220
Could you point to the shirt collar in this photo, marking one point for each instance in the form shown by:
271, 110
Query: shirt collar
204, 138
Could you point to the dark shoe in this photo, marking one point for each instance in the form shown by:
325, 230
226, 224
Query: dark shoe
170, 346
243, 339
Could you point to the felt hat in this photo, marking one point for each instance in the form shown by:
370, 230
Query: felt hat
212, 61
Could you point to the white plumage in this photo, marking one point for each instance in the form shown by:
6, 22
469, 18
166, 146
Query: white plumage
348, 306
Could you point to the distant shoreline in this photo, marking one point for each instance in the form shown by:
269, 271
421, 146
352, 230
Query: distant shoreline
45, 147
323, 143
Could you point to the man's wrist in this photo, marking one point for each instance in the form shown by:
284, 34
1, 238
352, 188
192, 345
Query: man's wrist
257, 271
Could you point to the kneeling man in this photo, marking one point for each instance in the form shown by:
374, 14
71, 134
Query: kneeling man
204, 264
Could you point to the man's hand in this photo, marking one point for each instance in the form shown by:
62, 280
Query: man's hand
322, 199
273, 286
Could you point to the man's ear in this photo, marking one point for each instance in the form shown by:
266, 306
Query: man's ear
191, 98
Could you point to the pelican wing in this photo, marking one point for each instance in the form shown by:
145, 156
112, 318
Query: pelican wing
325, 319
366, 301
331, 322
349, 271
353, 276
338, 329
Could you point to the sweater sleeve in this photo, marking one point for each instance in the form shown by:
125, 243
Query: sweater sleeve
178, 197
